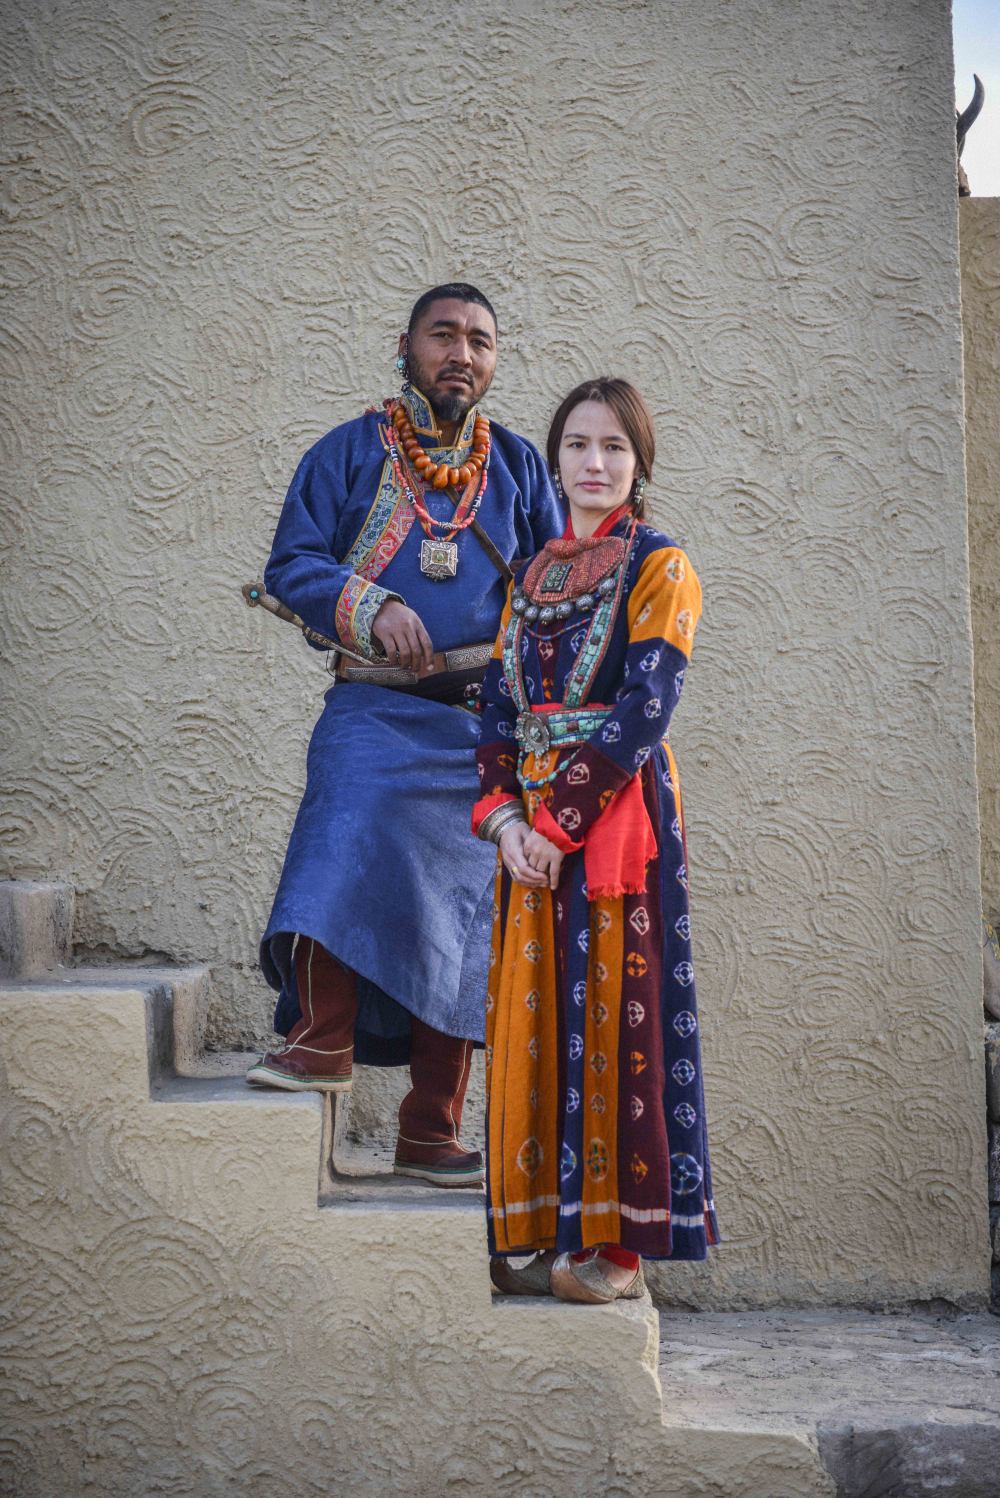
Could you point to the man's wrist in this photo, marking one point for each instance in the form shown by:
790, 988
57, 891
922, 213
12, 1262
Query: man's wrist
357, 607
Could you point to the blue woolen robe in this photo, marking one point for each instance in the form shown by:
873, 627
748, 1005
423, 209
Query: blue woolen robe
381, 867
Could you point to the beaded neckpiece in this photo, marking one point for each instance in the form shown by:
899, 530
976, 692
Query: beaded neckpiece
439, 475
439, 553
604, 601
568, 575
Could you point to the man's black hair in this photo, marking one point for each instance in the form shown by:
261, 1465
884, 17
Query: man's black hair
456, 291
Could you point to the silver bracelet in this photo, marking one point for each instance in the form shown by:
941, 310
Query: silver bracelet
496, 823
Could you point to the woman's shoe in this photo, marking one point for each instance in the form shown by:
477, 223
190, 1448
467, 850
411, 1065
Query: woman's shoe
573, 1280
533, 1279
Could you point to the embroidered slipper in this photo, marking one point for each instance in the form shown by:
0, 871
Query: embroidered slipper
533, 1279
584, 1282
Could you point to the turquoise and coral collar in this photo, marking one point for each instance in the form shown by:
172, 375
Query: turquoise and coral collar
418, 408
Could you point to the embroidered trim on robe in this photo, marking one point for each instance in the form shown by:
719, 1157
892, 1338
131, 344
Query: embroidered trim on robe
359, 602
391, 517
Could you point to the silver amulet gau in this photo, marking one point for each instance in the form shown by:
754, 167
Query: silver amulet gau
439, 559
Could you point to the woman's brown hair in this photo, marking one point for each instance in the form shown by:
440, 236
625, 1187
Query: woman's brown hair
631, 410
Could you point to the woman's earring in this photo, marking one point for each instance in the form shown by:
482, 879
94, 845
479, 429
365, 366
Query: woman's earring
640, 489
559, 488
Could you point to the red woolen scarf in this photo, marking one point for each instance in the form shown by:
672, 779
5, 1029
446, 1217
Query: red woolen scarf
616, 848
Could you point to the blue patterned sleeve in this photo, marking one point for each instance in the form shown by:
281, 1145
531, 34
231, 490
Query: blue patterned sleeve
663, 609
302, 570
497, 753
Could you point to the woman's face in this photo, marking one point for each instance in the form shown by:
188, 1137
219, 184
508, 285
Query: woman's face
597, 462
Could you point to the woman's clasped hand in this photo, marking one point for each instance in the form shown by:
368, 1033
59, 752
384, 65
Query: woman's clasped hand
530, 858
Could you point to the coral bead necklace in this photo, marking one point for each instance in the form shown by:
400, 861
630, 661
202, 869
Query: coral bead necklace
439, 553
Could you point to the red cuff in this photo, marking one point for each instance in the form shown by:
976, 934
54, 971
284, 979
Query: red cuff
485, 805
546, 824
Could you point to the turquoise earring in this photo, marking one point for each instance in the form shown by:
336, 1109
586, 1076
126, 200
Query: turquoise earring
640, 489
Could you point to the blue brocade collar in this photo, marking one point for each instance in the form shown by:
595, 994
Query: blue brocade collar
421, 414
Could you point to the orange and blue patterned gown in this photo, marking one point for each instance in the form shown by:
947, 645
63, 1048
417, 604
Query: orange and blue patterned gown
596, 1115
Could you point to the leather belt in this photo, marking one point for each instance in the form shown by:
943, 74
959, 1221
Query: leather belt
465, 658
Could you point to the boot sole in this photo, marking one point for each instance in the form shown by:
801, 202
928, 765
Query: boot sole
262, 1076
441, 1177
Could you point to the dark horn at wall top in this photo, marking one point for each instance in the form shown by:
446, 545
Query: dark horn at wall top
970, 114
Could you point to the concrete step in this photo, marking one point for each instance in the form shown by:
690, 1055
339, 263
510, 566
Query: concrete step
351, 1175
356, 1155
197, 1244
184, 1263
36, 946
175, 1001
36, 926
896, 1405
180, 1314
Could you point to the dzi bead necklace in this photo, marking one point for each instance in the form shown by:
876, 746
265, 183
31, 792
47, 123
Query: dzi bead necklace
439, 553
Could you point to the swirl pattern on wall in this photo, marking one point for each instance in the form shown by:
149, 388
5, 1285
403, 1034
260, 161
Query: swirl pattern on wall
214, 224
980, 221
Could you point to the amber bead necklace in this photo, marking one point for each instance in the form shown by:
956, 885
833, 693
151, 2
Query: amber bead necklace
439, 475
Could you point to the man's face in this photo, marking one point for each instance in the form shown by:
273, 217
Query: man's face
452, 353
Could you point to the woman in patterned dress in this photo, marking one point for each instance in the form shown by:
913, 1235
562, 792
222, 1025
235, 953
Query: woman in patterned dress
596, 1144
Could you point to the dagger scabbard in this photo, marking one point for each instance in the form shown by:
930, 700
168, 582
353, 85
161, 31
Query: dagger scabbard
257, 596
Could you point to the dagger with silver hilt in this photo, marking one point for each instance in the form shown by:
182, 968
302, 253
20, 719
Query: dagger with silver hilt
257, 596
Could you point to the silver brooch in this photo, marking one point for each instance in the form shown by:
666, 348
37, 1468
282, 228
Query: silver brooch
532, 733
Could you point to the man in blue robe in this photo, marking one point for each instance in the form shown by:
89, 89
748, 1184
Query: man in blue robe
379, 936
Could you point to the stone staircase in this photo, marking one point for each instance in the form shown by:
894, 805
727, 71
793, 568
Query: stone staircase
210, 1289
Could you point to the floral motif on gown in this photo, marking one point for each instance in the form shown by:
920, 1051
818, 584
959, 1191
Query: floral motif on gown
595, 1107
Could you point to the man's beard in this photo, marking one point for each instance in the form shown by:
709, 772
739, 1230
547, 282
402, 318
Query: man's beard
451, 405
447, 405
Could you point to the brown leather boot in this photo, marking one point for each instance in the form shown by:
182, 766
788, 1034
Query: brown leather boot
319, 1052
430, 1115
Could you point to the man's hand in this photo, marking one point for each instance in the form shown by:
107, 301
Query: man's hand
400, 631
512, 841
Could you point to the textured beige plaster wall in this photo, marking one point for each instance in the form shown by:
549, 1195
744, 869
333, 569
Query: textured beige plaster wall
980, 241
215, 218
